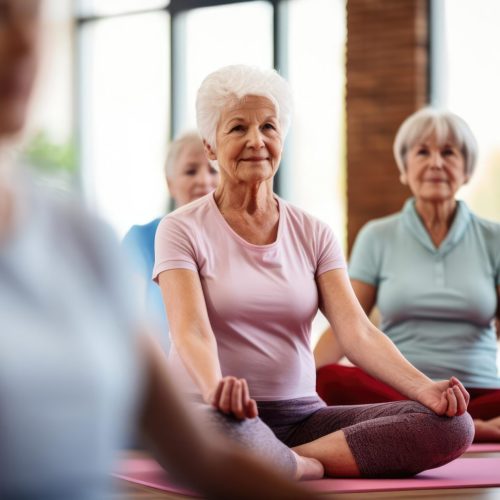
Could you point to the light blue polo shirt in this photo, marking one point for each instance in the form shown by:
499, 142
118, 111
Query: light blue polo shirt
437, 304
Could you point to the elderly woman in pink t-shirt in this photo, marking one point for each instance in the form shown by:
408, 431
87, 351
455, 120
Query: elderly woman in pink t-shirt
243, 274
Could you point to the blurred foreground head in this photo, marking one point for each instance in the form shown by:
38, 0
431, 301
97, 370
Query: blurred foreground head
19, 37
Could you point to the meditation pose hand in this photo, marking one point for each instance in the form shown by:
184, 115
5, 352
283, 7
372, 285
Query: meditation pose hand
232, 397
448, 397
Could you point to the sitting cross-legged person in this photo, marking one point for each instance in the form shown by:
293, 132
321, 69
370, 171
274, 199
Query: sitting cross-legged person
243, 273
433, 271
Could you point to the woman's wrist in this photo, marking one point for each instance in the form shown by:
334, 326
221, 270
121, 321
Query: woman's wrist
209, 391
417, 386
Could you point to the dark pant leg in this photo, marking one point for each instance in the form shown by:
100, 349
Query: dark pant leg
252, 434
391, 439
484, 403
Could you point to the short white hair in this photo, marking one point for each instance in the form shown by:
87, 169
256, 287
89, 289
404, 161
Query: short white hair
236, 82
441, 124
187, 139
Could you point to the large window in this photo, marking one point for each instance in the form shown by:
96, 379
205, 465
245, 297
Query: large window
89, 8
50, 144
316, 59
124, 109
314, 177
466, 79
141, 63
209, 38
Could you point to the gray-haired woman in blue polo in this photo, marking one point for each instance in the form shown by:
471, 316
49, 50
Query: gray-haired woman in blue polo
433, 269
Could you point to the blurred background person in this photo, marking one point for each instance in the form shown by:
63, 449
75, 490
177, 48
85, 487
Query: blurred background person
433, 271
188, 176
76, 367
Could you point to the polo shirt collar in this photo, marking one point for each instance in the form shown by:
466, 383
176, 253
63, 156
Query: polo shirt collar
458, 227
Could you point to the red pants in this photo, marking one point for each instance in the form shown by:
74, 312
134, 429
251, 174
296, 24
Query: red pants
347, 385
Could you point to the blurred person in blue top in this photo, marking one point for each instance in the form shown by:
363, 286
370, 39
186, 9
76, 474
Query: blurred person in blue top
77, 369
433, 271
189, 176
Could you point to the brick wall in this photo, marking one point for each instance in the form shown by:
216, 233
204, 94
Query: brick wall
387, 60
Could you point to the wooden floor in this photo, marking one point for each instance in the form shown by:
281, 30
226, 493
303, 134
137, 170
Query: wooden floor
130, 491
134, 492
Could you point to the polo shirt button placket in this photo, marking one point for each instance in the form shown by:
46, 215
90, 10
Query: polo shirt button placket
439, 271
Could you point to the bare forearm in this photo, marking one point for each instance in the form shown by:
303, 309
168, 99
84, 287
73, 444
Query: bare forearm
200, 357
199, 459
190, 327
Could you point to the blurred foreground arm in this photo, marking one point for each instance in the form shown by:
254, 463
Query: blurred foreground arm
215, 467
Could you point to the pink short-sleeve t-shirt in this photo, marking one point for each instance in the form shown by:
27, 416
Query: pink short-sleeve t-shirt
261, 299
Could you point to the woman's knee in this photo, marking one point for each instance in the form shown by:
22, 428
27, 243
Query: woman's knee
452, 433
253, 435
460, 432
407, 438
447, 438
437, 440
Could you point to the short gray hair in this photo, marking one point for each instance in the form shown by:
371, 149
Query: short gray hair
442, 124
191, 138
236, 82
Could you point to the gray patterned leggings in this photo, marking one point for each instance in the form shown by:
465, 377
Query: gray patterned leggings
401, 438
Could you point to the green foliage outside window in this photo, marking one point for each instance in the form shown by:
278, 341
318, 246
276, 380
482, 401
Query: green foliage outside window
51, 158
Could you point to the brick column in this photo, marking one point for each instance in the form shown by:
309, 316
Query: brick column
387, 75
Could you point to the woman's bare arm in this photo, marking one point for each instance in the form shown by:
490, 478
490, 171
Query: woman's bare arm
190, 327
195, 342
366, 346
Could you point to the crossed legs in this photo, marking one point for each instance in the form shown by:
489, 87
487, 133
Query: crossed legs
387, 439
401, 438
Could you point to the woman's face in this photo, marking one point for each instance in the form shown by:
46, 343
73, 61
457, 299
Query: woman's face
193, 176
19, 23
434, 172
248, 140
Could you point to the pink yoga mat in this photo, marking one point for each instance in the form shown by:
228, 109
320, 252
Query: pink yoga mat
484, 447
148, 472
462, 473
